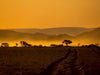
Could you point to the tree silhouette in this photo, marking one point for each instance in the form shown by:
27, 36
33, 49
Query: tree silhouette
16, 44
67, 42
79, 44
4, 45
25, 44
96, 44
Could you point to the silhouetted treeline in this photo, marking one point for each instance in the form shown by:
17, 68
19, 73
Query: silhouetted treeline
65, 43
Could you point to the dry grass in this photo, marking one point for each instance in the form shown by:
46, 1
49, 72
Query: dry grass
34, 61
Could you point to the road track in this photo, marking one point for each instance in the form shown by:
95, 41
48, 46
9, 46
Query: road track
69, 64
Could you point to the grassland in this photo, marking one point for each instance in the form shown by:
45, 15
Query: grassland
50, 61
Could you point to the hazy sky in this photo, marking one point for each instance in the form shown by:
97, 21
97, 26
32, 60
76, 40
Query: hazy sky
49, 13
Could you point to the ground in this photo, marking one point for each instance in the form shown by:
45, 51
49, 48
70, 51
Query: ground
50, 61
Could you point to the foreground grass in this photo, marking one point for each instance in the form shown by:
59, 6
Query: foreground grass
57, 61
28, 59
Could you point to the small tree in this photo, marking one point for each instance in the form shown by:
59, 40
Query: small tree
96, 44
16, 44
4, 45
25, 44
67, 42
78, 44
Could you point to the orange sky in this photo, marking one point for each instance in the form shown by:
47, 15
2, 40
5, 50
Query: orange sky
49, 13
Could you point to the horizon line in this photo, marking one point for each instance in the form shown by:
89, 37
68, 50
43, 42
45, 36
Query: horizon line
49, 28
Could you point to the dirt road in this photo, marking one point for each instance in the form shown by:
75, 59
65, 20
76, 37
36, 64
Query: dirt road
75, 62
50, 61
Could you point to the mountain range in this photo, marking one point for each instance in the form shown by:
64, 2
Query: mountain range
72, 31
87, 35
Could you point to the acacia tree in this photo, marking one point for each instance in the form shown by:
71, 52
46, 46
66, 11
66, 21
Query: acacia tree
67, 42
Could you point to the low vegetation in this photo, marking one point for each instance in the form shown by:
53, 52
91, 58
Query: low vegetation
50, 61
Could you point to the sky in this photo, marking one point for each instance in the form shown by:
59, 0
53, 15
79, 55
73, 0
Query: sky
49, 13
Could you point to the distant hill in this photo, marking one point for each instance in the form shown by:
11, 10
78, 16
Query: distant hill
72, 31
8, 35
92, 36
84, 38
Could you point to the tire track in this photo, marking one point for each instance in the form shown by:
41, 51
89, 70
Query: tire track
76, 68
73, 66
51, 68
79, 67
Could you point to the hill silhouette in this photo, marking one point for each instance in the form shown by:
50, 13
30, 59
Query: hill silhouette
86, 37
72, 31
92, 36
8, 35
